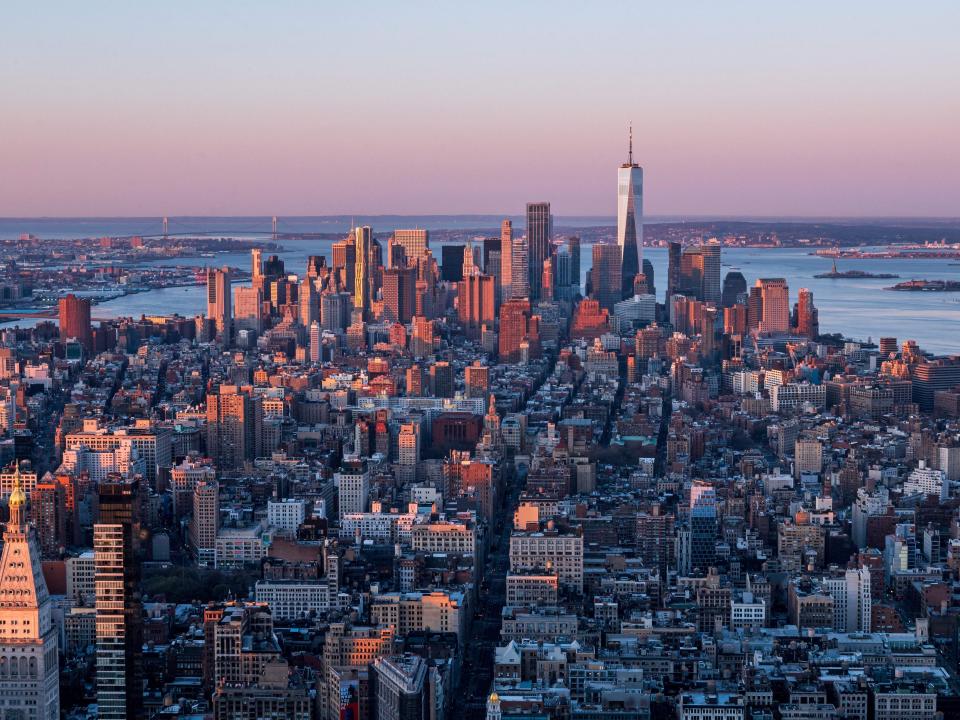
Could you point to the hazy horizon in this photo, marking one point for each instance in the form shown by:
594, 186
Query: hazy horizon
752, 110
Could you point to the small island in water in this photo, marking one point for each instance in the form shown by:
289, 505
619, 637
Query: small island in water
927, 286
835, 274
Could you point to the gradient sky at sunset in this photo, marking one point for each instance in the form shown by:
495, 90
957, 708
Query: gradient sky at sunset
759, 108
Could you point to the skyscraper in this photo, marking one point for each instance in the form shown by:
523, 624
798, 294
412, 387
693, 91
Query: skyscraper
711, 272
648, 273
775, 294
605, 278
703, 525
629, 220
119, 630
219, 302
515, 327
234, 426
205, 520
476, 303
675, 253
414, 244
807, 320
399, 293
256, 262
309, 302
539, 231
506, 260
361, 282
520, 280
28, 637
734, 286
344, 263
247, 308
75, 320
573, 246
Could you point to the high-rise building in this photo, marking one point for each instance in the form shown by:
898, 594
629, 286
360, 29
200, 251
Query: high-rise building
219, 302
248, 308
414, 243
754, 308
30, 679
476, 303
256, 262
703, 526
362, 237
775, 294
476, 377
309, 302
520, 265
451, 269
421, 340
674, 255
353, 486
48, 511
234, 426
506, 260
442, 379
808, 323
344, 256
515, 327
573, 247
205, 520
692, 272
539, 231
734, 288
605, 275
74, 315
629, 220
315, 337
711, 272
119, 628
399, 294
335, 311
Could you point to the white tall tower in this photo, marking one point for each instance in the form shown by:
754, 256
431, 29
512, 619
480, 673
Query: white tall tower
29, 669
630, 219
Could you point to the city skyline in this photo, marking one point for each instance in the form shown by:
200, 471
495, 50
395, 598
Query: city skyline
867, 102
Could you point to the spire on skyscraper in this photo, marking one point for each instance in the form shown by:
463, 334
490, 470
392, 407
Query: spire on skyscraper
630, 153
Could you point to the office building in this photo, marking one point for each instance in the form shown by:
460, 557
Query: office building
415, 244
539, 231
451, 263
248, 309
674, 256
74, 315
119, 612
476, 303
29, 667
399, 294
710, 252
234, 426
775, 305
807, 322
576, 279
506, 260
520, 267
362, 238
515, 327
703, 526
219, 302
605, 276
629, 221
353, 486
734, 289
205, 520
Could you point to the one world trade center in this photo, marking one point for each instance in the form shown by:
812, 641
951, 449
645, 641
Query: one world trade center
629, 220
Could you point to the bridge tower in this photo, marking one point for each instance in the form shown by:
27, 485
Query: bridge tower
274, 227
165, 223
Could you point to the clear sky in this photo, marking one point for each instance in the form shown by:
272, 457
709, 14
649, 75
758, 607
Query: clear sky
760, 108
